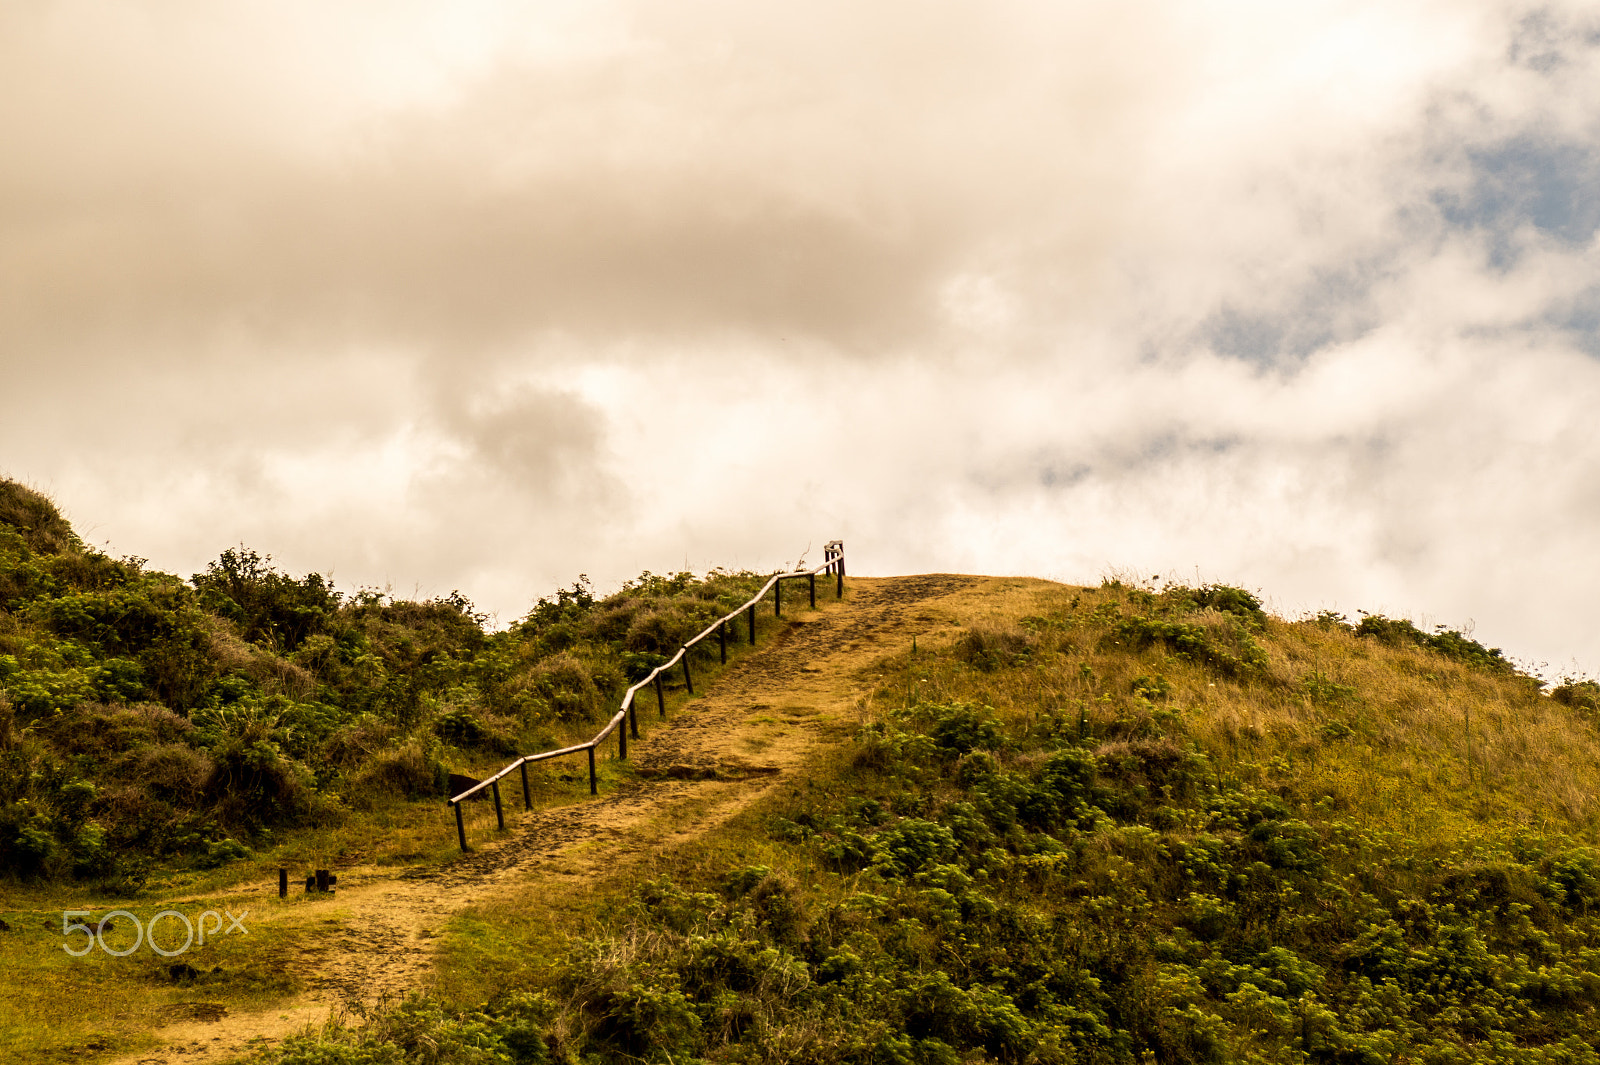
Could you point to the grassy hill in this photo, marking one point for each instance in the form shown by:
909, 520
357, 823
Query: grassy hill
1114, 824
153, 723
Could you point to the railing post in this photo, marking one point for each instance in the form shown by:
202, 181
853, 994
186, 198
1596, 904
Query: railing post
527, 799
722, 641
622, 741
812, 582
283, 882
633, 715
688, 678
750, 614
661, 699
499, 814
594, 786
461, 828
777, 598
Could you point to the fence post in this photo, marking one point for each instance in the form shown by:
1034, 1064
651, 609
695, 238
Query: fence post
722, 641
461, 829
283, 882
622, 741
777, 598
812, 582
499, 814
750, 614
594, 786
688, 679
838, 576
527, 800
633, 716
661, 700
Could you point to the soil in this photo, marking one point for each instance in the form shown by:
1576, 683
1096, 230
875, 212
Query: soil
760, 723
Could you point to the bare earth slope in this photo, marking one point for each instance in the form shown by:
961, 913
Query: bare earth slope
761, 722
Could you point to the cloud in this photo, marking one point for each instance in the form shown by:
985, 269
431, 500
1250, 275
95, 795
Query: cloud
1301, 296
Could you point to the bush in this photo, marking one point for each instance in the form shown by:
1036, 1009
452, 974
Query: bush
1579, 694
252, 783
1398, 632
567, 688
1230, 600
412, 770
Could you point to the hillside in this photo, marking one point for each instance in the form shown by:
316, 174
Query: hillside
948, 819
1107, 824
151, 724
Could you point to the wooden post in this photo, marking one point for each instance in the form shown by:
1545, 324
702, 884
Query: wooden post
499, 814
461, 829
633, 715
812, 581
722, 641
688, 678
527, 800
661, 699
838, 575
322, 880
594, 784
777, 599
622, 741
750, 614
283, 882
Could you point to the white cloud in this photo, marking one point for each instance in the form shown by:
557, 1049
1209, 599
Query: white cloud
1290, 295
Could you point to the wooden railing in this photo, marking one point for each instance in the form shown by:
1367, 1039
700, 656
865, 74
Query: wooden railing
833, 555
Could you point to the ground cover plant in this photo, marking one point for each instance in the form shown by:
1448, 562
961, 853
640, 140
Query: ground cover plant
1132, 824
147, 720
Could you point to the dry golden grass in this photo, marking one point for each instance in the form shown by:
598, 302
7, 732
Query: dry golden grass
1402, 738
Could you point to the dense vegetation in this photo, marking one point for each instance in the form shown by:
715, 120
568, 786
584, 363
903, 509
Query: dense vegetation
1137, 826
146, 717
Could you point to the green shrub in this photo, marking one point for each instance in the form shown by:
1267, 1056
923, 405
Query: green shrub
1398, 632
1579, 694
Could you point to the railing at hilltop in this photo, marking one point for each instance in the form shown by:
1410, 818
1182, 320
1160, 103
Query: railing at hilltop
833, 555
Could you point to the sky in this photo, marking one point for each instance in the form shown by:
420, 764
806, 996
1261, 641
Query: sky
483, 296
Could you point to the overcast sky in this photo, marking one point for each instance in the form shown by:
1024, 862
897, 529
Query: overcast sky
481, 296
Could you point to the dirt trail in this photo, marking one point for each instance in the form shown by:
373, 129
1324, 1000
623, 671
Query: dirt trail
760, 723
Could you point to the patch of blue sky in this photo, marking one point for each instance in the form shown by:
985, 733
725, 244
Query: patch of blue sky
1552, 186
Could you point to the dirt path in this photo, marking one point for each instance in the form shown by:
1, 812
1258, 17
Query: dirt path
760, 723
